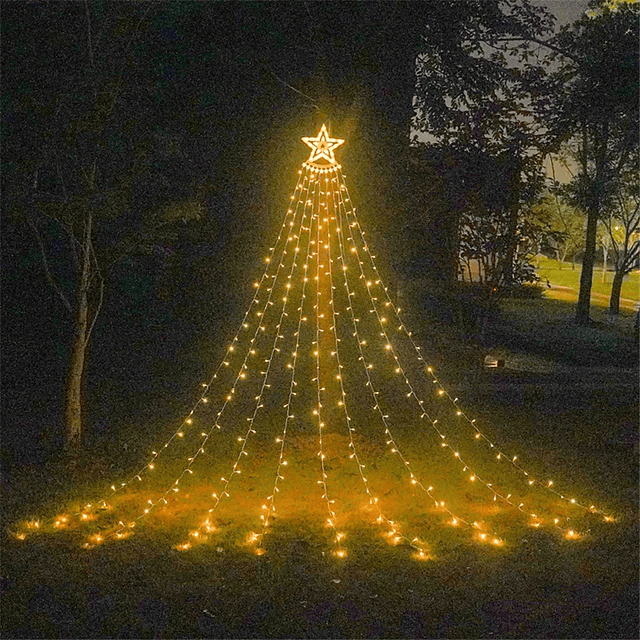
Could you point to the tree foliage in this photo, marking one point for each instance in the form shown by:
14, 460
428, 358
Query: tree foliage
480, 89
566, 221
622, 228
83, 179
595, 104
484, 242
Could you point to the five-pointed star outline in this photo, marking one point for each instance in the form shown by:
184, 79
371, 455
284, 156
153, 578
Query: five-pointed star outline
322, 146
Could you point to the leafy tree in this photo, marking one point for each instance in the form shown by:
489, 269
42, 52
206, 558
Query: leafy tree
483, 245
564, 217
566, 221
622, 229
480, 83
596, 105
79, 165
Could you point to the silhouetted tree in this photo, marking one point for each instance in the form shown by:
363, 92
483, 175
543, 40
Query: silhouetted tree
622, 226
596, 104
78, 166
480, 87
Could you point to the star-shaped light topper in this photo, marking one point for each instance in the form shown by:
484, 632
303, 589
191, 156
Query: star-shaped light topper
322, 146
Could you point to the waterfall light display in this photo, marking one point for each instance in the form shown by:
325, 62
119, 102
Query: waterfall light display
323, 350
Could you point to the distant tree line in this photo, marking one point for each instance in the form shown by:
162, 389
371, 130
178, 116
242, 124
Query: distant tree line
574, 93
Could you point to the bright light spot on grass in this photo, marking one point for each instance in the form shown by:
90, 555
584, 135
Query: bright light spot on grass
185, 546
421, 555
609, 519
572, 535
122, 536
340, 553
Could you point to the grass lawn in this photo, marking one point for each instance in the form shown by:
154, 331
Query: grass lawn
546, 329
562, 275
575, 423
535, 583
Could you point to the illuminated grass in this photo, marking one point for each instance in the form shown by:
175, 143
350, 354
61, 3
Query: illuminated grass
143, 586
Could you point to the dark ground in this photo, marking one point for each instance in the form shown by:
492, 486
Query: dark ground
541, 587
542, 590
580, 418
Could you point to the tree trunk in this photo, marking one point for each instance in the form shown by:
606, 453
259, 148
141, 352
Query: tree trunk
616, 288
508, 265
75, 380
586, 274
605, 256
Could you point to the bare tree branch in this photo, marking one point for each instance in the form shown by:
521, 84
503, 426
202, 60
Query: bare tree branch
47, 271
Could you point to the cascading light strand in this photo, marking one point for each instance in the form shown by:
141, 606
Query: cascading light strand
412, 394
459, 412
395, 534
390, 439
226, 481
269, 505
339, 550
500, 454
353, 223
174, 487
472, 475
203, 398
85, 514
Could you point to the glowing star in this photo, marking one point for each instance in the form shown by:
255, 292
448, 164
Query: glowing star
322, 146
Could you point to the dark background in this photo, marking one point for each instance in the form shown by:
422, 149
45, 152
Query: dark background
206, 88
218, 95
